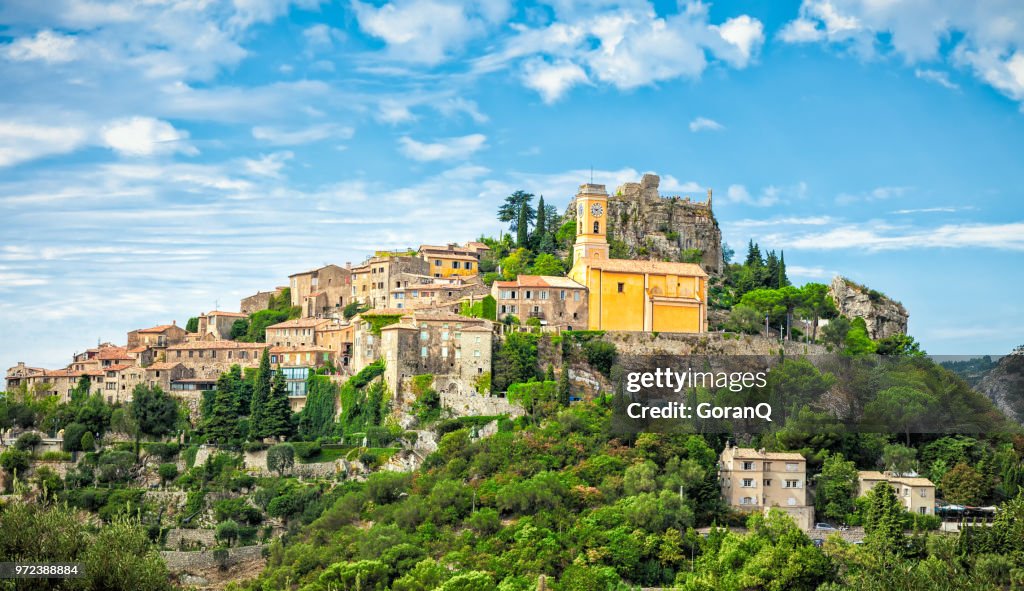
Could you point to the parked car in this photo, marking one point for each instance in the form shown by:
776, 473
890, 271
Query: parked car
825, 527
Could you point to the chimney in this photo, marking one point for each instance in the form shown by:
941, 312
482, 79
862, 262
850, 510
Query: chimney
174, 323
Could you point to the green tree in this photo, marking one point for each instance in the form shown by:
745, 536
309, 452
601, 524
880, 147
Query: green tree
221, 424
489, 307
523, 226
280, 458
564, 387
899, 345
15, 461
167, 472
278, 414
836, 488
901, 409
154, 412
317, 417
239, 329
816, 302
192, 325
80, 393
511, 210
227, 532
899, 459
835, 332
964, 485
515, 264
857, 340
744, 319
883, 524
547, 264
516, 360
260, 399
540, 230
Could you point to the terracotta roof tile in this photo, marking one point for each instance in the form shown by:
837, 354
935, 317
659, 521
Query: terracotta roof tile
658, 267
162, 366
156, 329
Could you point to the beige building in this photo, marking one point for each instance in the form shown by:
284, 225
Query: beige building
209, 359
321, 292
759, 480
455, 349
373, 281
428, 292
556, 301
337, 338
916, 494
157, 337
297, 332
218, 323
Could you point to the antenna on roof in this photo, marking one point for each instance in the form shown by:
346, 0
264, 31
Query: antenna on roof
591, 174
216, 305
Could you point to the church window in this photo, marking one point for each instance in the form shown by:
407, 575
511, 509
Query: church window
597, 227
622, 287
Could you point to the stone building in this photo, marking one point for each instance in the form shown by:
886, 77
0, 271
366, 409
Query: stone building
630, 295
428, 292
366, 335
337, 338
455, 349
157, 337
373, 281
759, 480
916, 494
51, 382
297, 332
119, 381
258, 301
557, 302
651, 226
164, 373
321, 292
218, 323
209, 359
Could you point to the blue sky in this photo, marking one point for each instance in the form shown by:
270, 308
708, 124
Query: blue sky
159, 159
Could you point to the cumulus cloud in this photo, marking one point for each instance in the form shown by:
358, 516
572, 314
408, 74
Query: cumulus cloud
46, 45
146, 136
454, 148
768, 196
705, 124
552, 80
987, 36
268, 165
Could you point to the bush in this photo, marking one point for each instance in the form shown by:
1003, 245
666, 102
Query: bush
15, 460
281, 458
167, 472
601, 355
55, 456
73, 436
306, 449
165, 451
28, 442
227, 532
88, 442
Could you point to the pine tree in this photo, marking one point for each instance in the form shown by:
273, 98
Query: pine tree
549, 376
523, 226
260, 397
278, 412
770, 276
753, 255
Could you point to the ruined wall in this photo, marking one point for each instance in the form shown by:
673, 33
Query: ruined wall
660, 228
883, 315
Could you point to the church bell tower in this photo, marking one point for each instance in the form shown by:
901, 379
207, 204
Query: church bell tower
591, 223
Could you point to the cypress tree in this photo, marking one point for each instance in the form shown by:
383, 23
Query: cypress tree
523, 225
260, 397
278, 413
770, 275
222, 423
783, 280
564, 387
541, 228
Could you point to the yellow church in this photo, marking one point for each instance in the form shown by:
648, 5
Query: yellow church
632, 295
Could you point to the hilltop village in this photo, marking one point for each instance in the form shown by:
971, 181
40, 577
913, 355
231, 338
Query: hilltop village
429, 310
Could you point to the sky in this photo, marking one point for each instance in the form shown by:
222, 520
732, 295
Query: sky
160, 159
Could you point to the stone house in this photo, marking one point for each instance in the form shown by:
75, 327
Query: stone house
209, 359
321, 292
164, 373
555, 301
759, 480
337, 338
218, 323
450, 260
431, 292
119, 381
916, 494
373, 281
297, 332
454, 348
157, 337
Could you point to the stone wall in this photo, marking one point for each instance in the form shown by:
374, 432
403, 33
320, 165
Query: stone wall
187, 538
884, 316
473, 404
257, 302
646, 343
182, 562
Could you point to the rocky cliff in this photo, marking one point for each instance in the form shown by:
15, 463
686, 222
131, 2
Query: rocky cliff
643, 224
1004, 385
883, 315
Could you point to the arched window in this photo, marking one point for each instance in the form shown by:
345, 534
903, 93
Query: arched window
597, 227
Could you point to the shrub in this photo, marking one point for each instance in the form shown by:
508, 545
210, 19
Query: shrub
281, 458
167, 472
15, 460
73, 436
28, 441
227, 532
601, 355
88, 442
306, 449
165, 451
55, 456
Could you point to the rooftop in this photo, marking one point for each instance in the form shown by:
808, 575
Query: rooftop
657, 267
540, 281
157, 329
754, 454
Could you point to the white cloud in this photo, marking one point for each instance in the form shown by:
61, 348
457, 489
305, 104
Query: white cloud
705, 124
20, 141
47, 46
145, 136
987, 37
875, 238
394, 112
552, 81
876, 194
268, 165
937, 76
743, 33
304, 135
427, 31
455, 148
770, 195
809, 272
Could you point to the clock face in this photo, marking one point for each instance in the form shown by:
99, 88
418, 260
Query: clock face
579, 210
596, 210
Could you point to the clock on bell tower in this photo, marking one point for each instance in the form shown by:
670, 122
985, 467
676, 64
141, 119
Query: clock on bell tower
591, 222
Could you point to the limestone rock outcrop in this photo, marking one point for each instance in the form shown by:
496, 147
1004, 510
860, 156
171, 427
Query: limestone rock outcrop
661, 228
883, 315
1004, 385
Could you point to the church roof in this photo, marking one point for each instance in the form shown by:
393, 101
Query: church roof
658, 267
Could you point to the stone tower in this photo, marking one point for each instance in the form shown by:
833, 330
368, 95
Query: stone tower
591, 223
